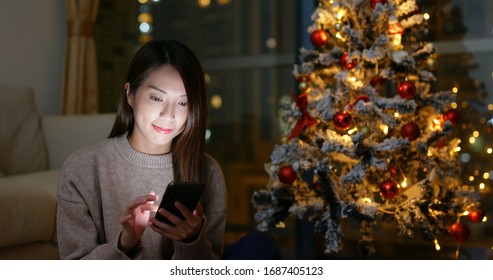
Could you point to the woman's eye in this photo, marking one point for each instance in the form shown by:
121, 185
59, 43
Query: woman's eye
183, 103
157, 99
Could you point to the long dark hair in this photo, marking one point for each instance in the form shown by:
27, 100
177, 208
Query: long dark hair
188, 147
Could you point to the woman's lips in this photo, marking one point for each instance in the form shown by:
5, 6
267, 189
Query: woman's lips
162, 130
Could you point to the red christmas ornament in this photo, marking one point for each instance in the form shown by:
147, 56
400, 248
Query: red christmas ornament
476, 215
389, 189
453, 116
345, 63
406, 89
410, 131
374, 3
319, 38
342, 120
459, 231
287, 175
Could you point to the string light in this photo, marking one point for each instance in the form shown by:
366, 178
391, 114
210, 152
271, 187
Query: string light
437, 246
404, 183
384, 128
281, 224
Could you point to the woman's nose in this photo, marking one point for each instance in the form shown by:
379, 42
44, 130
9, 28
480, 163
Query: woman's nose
167, 112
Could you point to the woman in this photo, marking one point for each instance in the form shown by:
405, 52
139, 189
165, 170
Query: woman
108, 192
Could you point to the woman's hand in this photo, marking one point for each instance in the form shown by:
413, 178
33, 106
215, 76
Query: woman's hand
185, 229
135, 219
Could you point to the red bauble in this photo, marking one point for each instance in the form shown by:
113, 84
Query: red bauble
476, 215
345, 63
389, 189
342, 120
460, 231
410, 131
406, 89
375, 2
319, 38
453, 116
287, 175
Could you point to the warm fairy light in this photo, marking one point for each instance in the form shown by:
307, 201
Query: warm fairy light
490, 107
352, 79
396, 39
352, 130
486, 175
454, 105
281, 224
340, 14
465, 213
426, 16
384, 128
484, 219
489, 150
366, 200
396, 115
430, 153
436, 125
455, 89
404, 183
482, 186
472, 140
475, 134
476, 172
437, 246
471, 178
339, 36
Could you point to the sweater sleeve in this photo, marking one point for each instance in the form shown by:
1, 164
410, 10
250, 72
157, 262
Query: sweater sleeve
210, 242
80, 232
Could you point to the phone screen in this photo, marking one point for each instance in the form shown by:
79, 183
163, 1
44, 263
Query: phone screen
188, 193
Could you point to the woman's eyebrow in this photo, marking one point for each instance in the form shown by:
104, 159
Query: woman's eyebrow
158, 89
163, 91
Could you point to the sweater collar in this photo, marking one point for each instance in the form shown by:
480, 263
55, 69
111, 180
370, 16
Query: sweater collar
141, 159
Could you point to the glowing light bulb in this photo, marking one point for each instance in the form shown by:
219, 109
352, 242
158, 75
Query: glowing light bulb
280, 225
384, 128
404, 183
437, 246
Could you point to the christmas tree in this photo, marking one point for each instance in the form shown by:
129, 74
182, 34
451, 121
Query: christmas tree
366, 139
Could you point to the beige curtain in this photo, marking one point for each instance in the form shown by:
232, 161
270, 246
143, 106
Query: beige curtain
80, 83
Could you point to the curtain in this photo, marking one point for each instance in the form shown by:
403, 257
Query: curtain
80, 83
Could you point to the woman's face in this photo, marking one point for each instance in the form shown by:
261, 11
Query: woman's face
160, 111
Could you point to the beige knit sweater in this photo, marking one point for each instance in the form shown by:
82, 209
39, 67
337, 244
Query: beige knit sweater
97, 182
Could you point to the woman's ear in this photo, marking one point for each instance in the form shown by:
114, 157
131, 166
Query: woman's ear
128, 95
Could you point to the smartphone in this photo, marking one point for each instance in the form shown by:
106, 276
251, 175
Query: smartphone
188, 193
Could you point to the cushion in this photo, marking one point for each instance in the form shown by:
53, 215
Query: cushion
22, 144
28, 208
65, 134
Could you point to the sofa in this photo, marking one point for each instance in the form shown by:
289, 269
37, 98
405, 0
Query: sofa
32, 149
